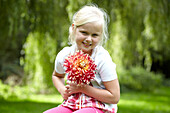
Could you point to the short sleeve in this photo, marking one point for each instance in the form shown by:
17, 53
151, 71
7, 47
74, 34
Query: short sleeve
59, 61
107, 68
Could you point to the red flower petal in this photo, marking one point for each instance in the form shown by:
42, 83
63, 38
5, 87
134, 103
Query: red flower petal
80, 68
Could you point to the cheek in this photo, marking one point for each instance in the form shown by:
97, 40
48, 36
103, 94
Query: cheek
79, 37
96, 41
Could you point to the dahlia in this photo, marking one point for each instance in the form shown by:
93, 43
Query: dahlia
80, 68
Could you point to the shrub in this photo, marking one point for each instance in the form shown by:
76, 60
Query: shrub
137, 78
14, 92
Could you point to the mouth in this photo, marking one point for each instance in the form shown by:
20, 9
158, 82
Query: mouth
87, 44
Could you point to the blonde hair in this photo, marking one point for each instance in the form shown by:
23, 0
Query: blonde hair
88, 14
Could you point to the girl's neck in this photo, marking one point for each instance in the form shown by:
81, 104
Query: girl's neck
89, 53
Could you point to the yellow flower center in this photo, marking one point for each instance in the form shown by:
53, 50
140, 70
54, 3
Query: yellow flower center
83, 64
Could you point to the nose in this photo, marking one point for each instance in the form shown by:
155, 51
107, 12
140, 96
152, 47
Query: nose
89, 38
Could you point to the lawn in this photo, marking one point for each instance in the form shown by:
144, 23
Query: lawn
130, 102
144, 102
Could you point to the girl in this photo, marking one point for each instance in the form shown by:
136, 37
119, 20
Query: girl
87, 33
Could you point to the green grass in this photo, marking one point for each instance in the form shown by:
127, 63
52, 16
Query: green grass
130, 102
34, 104
144, 102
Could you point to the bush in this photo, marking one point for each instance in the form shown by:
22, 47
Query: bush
14, 92
137, 78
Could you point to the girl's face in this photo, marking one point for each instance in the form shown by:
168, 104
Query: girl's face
88, 36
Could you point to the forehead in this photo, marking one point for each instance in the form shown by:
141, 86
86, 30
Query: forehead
91, 27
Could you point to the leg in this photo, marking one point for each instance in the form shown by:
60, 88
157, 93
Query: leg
89, 110
59, 109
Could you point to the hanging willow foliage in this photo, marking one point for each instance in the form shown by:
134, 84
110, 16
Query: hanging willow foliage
47, 36
12, 23
139, 34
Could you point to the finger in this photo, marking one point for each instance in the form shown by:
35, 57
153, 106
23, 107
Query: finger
65, 98
67, 86
72, 84
70, 93
83, 85
68, 82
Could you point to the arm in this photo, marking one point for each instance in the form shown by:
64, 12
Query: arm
58, 81
109, 95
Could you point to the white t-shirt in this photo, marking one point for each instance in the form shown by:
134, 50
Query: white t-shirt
106, 69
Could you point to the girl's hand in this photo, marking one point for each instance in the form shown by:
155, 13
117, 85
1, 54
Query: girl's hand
65, 93
74, 88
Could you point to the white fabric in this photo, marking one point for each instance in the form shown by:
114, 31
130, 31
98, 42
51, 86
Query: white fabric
106, 69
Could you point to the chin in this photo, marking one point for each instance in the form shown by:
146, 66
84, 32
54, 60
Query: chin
86, 50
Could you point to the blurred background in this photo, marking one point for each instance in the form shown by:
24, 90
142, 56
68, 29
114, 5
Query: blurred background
32, 32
